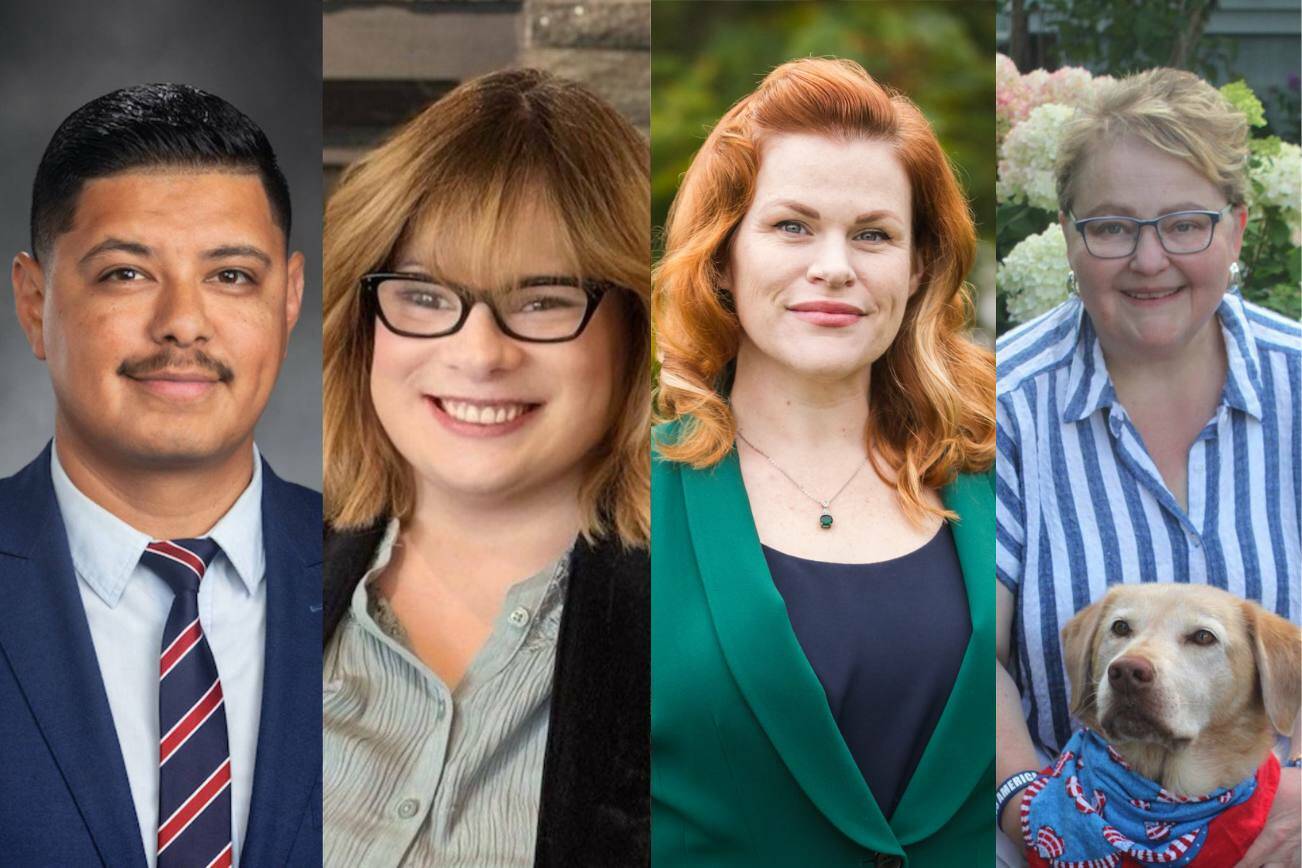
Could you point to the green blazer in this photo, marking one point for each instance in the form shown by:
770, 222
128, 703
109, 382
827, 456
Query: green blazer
748, 766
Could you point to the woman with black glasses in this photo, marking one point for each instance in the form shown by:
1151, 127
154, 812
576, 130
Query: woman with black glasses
1148, 427
486, 476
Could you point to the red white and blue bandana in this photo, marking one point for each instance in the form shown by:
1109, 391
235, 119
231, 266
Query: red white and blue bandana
1090, 810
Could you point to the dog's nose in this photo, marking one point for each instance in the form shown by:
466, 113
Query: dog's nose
1130, 673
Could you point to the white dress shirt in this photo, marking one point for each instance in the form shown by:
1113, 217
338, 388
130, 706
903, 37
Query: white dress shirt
127, 606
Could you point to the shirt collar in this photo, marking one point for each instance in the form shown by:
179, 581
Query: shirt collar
1089, 387
1243, 387
239, 531
105, 549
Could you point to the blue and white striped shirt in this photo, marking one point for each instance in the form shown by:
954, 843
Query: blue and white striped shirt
1081, 504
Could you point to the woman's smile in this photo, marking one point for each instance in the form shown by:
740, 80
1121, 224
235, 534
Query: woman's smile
1152, 296
827, 314
481, 418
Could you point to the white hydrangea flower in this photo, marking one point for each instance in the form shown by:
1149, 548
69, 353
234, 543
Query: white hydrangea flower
1016, 95
1280, 179
1033, 276
1027, 156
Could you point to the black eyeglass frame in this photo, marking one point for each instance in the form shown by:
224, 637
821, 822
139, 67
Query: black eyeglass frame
595, 290
1140, 224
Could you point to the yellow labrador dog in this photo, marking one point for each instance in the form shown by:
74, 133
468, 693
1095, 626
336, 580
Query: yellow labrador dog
1187, 682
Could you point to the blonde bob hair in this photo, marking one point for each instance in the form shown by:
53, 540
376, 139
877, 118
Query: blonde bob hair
498, 150
1172, 110
932, 391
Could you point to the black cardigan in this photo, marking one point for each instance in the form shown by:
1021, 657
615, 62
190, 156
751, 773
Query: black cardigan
595, 808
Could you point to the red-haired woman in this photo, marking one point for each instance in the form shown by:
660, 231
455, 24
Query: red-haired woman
822, 603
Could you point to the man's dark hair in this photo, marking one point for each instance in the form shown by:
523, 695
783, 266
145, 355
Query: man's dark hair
150, 125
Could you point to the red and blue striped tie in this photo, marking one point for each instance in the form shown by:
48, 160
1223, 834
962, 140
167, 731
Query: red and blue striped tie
194, 794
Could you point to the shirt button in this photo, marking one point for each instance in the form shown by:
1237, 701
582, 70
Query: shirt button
407, 808
519, 616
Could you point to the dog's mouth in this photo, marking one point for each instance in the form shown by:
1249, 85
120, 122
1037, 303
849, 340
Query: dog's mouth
1127, 720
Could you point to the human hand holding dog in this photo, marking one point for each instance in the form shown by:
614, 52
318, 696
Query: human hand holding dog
1280, 841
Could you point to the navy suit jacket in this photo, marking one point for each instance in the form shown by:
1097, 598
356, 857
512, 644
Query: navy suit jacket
64, 796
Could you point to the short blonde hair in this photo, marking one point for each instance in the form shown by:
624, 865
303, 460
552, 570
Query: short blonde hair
932, 392
497, 147
1172, 110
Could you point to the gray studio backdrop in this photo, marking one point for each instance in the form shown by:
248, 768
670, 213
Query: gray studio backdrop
265, 58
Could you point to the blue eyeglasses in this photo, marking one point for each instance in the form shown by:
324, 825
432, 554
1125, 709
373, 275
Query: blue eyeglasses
1180, 232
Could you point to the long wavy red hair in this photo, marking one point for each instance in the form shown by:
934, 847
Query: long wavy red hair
932, 393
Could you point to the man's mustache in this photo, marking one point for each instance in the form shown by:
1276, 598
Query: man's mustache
173, 360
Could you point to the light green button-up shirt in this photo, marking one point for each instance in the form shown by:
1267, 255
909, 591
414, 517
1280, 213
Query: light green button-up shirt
416, 774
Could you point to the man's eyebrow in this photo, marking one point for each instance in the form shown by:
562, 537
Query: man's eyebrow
228, 250
119, 245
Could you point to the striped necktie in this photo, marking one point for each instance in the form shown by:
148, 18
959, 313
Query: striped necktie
194, 797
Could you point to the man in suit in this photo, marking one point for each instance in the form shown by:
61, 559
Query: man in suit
160, 622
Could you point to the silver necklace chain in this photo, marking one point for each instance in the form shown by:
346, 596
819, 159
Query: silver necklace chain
825, 504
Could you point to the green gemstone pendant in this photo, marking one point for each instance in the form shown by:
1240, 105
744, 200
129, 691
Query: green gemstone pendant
825, 520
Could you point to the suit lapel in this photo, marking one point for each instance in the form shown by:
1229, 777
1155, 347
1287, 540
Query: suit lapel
46, 640
961, 747
766, 659
288, 765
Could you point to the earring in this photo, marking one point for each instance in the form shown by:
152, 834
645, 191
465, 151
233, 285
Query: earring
1072, 286
1236, 277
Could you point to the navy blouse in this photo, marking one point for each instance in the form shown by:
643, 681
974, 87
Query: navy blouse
886, 641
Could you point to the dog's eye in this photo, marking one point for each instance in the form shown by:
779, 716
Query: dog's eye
1202, 637
1120, 628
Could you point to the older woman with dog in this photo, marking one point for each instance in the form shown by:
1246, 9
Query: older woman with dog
823, 514
1148, 428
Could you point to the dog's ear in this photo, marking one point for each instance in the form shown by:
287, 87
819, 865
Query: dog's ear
1277, 649
1078, 654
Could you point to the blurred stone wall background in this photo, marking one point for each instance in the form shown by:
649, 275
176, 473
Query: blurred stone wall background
385, 60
